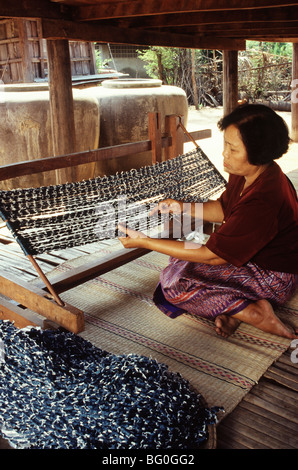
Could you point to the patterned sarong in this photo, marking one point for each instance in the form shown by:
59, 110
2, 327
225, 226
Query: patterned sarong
208, 291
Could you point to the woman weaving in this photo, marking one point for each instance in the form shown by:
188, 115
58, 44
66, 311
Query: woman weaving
249, 265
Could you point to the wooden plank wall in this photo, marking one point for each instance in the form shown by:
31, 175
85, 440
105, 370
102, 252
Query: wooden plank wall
267, 417
82, 56
23, 53
10, 53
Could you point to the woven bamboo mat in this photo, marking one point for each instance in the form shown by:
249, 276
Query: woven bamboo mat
121, 318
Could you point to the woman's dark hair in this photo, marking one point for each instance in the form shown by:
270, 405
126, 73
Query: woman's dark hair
264, 133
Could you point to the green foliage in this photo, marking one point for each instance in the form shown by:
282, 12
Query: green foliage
263, 67
175, 66
162, 62
169, 63
276, 48
100, 63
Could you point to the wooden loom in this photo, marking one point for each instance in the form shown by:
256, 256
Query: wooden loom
23, 300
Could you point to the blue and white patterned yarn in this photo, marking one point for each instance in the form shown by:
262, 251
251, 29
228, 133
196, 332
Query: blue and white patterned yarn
58, 391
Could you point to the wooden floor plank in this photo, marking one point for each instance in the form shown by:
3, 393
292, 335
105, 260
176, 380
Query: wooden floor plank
224, 442
289, 367
276, 390
264, 430
239, 434
265, 414
258, 421
28, 276
273, 407
275, 400
286, 359
282, 378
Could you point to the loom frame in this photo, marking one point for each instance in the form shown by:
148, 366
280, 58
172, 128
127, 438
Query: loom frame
22, 299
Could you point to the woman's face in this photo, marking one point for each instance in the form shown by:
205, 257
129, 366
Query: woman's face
235, 154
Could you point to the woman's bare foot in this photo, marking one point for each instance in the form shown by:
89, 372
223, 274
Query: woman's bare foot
261, 315
226, 325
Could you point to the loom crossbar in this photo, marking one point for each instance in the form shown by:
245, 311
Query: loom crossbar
31, 167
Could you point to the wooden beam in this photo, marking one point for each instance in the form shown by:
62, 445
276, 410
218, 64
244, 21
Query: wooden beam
154, 131
194, 4
281, 15
39, 301
78, 2
115, 35
76, 276
280, 35
173, 129
61, 98
27, 68
249, 25
122, 9
234, 30
65, 161
275, 39
34, 9
198, 135
230, 81
19, 316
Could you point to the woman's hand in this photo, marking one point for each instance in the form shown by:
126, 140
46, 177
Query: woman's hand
186, 251
133, 238
168, 206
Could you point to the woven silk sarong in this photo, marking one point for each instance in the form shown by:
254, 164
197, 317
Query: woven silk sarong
208, 291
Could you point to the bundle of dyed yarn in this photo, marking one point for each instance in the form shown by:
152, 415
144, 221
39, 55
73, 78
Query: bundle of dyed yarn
58, 391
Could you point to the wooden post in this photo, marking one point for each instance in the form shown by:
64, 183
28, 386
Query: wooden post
230, 80
294, 100
193, 75
61, 98
174, 130
154, 130
93, 65
28, 75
